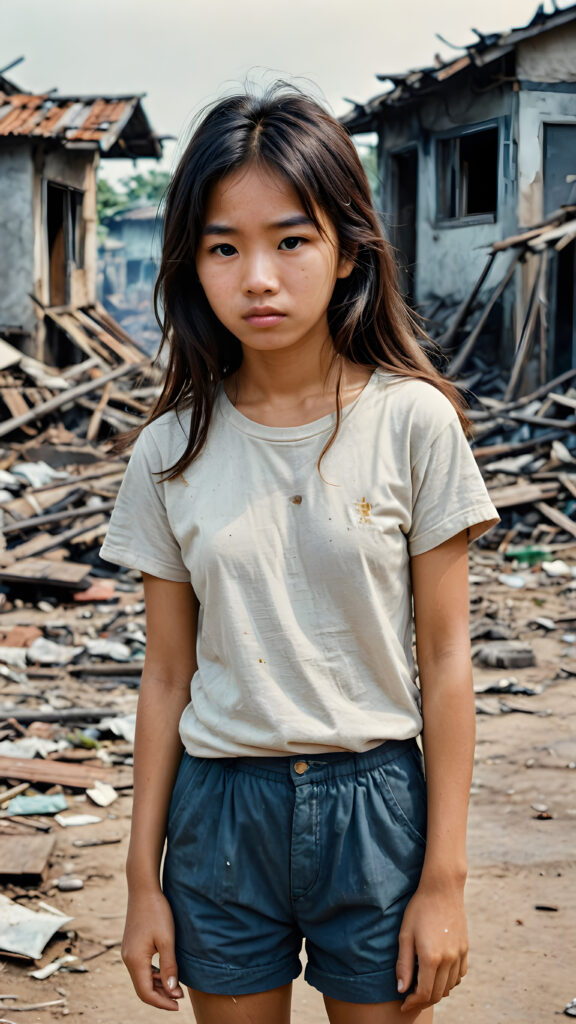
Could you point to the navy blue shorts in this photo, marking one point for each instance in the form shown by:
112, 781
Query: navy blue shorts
265, 851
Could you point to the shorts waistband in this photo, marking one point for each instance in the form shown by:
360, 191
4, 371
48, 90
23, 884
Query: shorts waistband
329, 764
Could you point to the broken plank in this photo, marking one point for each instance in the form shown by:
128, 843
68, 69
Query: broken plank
58, 517
113, 326
557, 517
25, 855
568, 483
96, 417
127, 353
49, 542
522, 494
63, 773
68, 397
37, 501
67, 323
492, 451
42, 570
29, 547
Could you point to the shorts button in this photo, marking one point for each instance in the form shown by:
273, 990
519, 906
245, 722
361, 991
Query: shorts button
300, 767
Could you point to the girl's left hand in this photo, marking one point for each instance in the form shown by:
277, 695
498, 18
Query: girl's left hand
433, 930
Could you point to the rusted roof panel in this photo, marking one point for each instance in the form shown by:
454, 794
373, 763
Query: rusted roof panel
100, 120
411, 86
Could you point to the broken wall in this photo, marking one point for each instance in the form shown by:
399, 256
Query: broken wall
548, 57
451, 253
17, 237
77, 170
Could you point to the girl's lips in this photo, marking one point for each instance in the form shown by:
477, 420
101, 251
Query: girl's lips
264, 319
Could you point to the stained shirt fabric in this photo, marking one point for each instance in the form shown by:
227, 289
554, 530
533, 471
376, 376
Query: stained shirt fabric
304, 640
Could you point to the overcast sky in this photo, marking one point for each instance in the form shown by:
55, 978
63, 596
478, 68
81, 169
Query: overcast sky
185, 53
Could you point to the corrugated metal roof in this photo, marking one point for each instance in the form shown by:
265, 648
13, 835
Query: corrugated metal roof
410, 86
117, 125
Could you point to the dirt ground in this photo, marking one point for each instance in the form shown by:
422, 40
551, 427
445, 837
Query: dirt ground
521, 892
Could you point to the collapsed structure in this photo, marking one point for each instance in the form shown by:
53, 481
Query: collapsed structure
474, 152
50, 148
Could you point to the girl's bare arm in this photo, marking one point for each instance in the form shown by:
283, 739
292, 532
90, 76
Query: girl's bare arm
434, 925
171, 619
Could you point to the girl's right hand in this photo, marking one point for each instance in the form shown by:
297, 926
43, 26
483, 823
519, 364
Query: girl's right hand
150, 929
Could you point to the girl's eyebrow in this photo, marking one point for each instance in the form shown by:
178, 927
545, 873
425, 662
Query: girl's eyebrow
299, 219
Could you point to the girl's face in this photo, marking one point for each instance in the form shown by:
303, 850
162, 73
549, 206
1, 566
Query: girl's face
266, 270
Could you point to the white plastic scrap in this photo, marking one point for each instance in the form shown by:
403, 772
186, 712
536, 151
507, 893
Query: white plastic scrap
102, 793
27, 931
38, 473
45, 972
125, 727
108, 649
512, 580
30, 746
570, 1009
15, 656
48, 652
67, 820
556, 568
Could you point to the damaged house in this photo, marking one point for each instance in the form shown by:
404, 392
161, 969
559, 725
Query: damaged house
50, 148
472, 154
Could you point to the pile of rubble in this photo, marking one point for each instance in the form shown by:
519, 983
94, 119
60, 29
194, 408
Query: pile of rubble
72, 630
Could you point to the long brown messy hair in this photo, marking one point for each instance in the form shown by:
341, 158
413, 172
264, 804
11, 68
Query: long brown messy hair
370, 324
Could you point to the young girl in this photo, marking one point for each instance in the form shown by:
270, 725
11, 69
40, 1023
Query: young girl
302, 491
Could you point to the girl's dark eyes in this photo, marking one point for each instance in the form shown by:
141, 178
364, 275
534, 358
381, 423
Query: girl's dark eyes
289, 244
224, 249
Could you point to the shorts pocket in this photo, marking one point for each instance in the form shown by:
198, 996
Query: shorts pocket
405, 792
186, 770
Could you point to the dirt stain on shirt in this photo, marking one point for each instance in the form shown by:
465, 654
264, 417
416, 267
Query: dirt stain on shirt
364, 509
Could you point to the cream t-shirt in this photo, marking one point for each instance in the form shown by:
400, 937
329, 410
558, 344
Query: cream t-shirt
305, 628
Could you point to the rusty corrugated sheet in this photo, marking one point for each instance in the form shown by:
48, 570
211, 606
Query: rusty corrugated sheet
58, 117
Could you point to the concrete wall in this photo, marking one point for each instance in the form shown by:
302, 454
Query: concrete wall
16, 237
537, 108
450, 256
548, 57
77, 169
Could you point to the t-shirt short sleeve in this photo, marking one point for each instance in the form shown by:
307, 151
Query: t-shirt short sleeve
448, 492
139, 534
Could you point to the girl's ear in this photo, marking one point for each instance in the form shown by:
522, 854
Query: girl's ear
345, 266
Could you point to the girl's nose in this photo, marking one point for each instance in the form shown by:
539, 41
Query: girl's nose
260, 275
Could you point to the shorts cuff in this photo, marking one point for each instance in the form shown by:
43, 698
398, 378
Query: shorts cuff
225, 980
377, 987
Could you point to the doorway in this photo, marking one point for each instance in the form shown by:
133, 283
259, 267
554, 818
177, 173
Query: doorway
404, 173
63, 227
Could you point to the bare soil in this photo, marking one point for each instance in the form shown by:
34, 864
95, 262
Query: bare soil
522, 968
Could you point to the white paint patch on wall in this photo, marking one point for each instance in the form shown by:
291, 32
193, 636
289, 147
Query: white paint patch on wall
549, 57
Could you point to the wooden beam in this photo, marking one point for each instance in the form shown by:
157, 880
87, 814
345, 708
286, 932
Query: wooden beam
63, 773
557, 517
462, 355
67, 397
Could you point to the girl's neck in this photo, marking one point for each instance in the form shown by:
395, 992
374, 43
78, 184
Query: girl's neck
290, 388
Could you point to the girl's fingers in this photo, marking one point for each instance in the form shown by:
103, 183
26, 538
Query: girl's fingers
453, 978
144, 980
405, 962
169, 970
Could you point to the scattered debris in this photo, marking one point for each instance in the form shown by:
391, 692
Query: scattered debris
74, 820
27, 931
69, 884
505, 654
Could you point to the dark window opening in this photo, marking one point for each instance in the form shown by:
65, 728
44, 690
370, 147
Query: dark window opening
404, 168
467, 170
64, 227
133, 268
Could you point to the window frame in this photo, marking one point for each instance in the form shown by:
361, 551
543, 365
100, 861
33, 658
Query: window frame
466, 220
